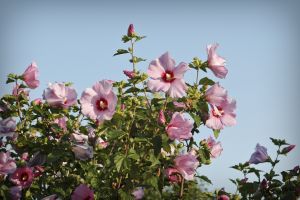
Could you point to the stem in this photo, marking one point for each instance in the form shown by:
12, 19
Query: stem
131, 52
197, 77
148, 102
181, 187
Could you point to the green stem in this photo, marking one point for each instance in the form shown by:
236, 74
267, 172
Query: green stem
197, 78
132, 57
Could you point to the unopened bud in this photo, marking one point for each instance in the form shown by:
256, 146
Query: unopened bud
130, 31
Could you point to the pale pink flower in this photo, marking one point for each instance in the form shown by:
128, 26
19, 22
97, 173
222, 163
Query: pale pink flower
129, 74
166, 77
179, 128
60, 95
79, 138
7, 127
99, 102
161, 117
83, 152
7, 164
22, 177
138, 193
130, 31
215, 147
186, 164
216, 95
15, 192
222, 115
101, 143
30, 76
215, 62
173, 175
62, 123
260, 155
287, 149
17, 91
83, 192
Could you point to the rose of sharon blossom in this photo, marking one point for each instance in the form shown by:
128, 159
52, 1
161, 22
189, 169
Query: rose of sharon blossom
173, 175
30, 76
62, 123
7, 127
101, 143
186, 165
179, 128
138, 193
215, 147
83, 152
216, 95
99, 102
17, 91
15, 192
222, 115
60, 95
22, 177
7, 164
79, 138
215, 62
83, 192
165, 77
260, 155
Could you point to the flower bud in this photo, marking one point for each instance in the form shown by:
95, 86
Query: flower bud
130, 31
264, 184
223, 197
288, 149
129, 74
161, 117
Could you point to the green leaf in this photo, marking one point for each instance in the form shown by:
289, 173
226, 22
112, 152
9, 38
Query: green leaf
205, 178
196, 118
138, 38
118, 160
206, 81
278, 142
137, 59
152, 181
126, 38
157, 143
216, 133
121, 51
133, 155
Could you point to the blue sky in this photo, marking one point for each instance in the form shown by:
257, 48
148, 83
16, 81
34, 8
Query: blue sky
74, 41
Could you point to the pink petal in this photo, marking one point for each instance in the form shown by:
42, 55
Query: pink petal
155, 69
219, 71
228, 119
177, 89
167, 62
214, 123
180, 70
158, 85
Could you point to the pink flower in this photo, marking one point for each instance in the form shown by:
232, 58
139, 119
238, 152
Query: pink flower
83, 152
179, 128
17, 91
179, 104
216, 95
161, 117
260, 155
7, 164
173, 175
24, 156
79, 138
15, 192
22, 177
222, 115
215, 147
223, 197
60, 95
186, 165
37, 101
30, 76
99, 102
166, 77
62, 123
83, 192
130, 31
38, 170
138, 193
101, 143
287, 149
129, 74
215, 62
7, 127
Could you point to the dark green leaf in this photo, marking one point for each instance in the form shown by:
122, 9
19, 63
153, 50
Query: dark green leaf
206, 81
121, 51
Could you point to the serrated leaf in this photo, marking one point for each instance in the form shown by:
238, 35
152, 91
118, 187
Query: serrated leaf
206, 81
133, 155
121, 51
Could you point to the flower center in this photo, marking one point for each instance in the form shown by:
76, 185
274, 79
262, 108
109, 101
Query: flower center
168, 76
24, 177
218, 111
65, 100
102, 104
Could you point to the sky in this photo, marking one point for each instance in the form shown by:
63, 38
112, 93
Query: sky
73, 41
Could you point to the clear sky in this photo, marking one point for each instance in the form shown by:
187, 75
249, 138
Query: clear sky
75, 40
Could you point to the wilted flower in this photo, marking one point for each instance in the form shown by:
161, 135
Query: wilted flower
222, 115
22, 177
15, 192
260, 155
138, 193
287, 149
173, 175
166, 77
179, 128
30, 76
83, 152
7, 127
215, 147
129, 74
79, 138
17, 91
161, 117
99, 102
7, 164
38, 170
186, 165
60, 95
215, 62
216, 95
83, 192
